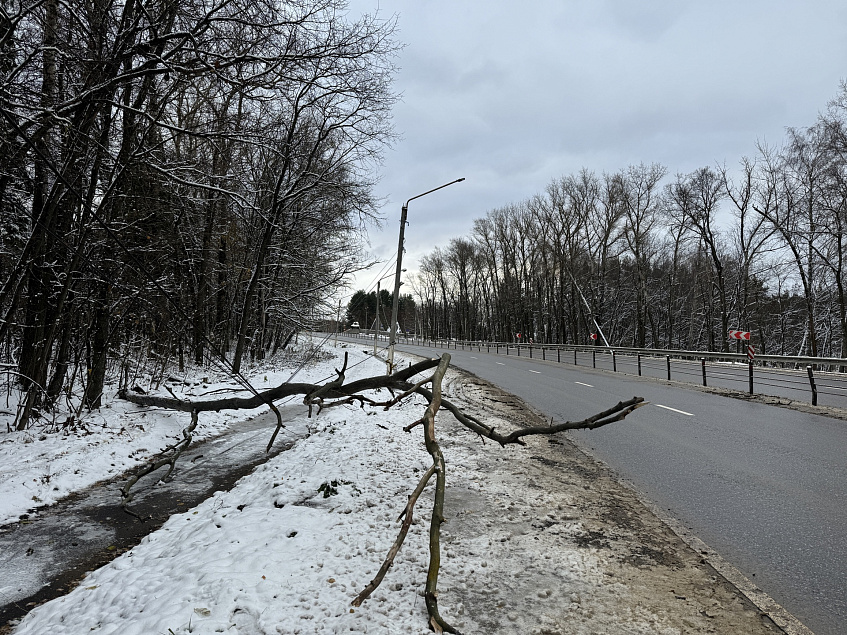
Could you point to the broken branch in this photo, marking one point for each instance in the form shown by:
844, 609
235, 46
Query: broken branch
406, 514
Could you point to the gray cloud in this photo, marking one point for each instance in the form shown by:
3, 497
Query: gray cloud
511, 97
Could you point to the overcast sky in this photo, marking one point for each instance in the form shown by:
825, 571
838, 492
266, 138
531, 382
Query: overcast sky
512, 96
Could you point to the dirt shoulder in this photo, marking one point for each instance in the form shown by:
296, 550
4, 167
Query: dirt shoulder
543, 513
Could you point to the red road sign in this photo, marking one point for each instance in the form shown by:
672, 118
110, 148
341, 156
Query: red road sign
593, 336
751, 352
739, 335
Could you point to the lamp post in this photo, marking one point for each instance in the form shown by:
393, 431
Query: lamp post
396, 300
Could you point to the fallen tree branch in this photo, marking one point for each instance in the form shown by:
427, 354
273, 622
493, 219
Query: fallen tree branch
335, 393
413, 425
436, 622
166, 457
398, 380
314, 393
618, 412
317, 395
406, 515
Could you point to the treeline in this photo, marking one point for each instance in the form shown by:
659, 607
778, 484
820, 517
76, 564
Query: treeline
178, 179
364, 306
652, 260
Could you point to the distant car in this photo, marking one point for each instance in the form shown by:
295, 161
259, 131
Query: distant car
354, 325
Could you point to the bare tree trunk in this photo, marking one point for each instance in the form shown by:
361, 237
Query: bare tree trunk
99, 349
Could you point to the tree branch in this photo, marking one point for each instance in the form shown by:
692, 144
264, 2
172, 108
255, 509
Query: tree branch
406, 514
398, 381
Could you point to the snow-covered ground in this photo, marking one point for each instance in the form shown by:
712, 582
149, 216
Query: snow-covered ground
40, 466
290, 546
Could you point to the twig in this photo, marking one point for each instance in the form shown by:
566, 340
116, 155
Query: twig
412, 426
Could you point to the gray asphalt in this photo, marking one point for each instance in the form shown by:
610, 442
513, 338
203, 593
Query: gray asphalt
766, 487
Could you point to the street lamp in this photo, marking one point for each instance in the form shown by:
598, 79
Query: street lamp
396, 301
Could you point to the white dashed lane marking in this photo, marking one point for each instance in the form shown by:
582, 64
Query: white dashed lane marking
537, 372
682, 412
581, 384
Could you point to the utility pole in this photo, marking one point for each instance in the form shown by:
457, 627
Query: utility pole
337, 323
396, 300
590, 312
376, 330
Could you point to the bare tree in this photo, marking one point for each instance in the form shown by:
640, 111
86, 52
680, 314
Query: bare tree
640, 197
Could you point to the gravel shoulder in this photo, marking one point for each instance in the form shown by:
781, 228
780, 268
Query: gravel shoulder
538, 511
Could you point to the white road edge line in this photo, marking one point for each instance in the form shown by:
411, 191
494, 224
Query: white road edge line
682, 412
582, 384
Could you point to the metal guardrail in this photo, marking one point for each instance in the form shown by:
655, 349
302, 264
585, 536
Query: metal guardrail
780, 371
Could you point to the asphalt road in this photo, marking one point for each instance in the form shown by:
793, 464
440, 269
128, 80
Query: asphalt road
766, 487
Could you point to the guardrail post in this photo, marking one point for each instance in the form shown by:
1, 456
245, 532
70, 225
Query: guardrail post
559, 355
544, 353
574, 357
750, 374
507, 350
703, 368
530, 351
668, 363
639, 364
594, 358
614, 363
813, 385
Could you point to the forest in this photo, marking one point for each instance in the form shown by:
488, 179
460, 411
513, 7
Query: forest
653, 260
179, 181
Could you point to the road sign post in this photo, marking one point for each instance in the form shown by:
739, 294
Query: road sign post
813, 385
750, 374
